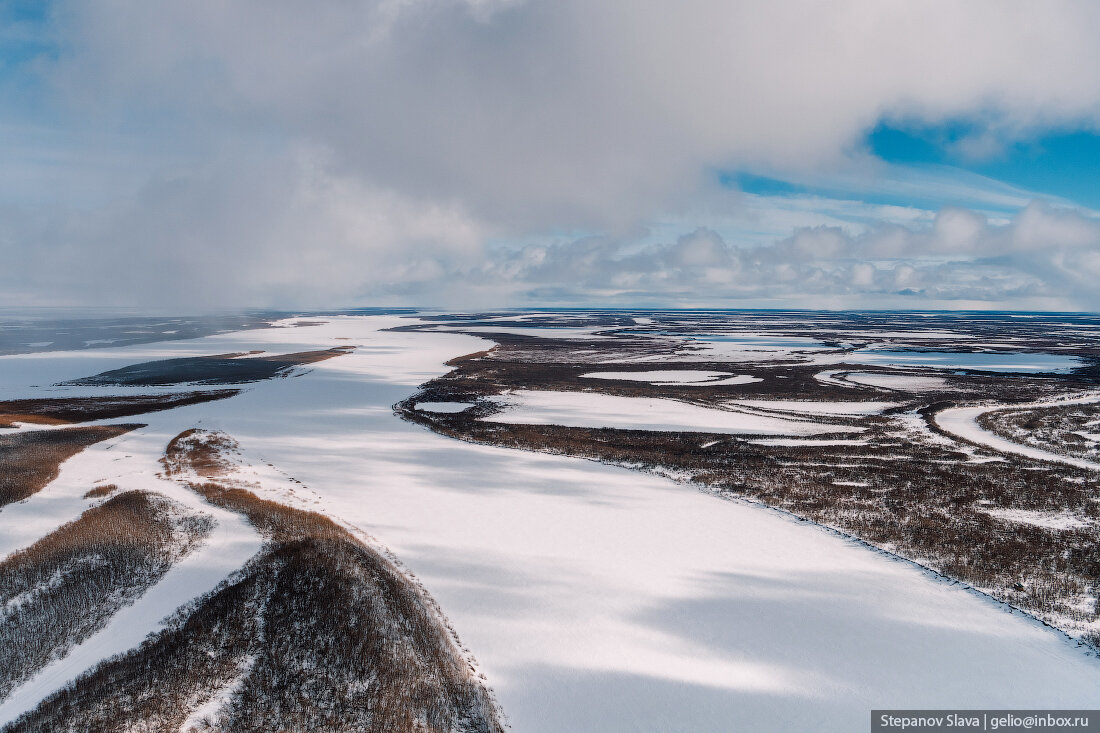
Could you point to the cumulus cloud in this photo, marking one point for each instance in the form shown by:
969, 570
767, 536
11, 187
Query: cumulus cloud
1044, 258
339, 150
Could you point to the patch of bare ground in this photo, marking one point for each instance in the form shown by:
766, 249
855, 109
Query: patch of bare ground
981, 519
317, 632
30, 460
214, 369
63, 410
60, 590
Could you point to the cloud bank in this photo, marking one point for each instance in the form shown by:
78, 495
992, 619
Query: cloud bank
959, 260
281, 153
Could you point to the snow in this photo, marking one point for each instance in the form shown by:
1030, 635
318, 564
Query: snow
551, 332
444, 406
906, 382
598, 598
677, 377
593, 410
963, 422
207, 711
742, 347
980, 361
808, 407
735, 379
913, 335
806, 442
1049, 520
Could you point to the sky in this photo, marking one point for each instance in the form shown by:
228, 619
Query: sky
190, 157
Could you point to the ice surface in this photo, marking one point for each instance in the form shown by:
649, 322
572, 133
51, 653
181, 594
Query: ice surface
676, 376
981, 361
443, 406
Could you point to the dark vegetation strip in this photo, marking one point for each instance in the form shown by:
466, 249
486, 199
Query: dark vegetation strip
318, 632
217, 369
30, 460
63, 588
61, 410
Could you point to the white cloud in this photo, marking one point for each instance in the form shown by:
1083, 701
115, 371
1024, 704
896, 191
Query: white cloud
958, 260
434, 126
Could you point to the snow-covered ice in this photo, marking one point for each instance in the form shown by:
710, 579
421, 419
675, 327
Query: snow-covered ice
444, 406
549, 332
980, 361
806, 442
680, 377
908, 382
594, 410
816, 407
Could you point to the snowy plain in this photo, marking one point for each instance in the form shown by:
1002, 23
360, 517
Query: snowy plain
819, 407
679, 377
908, 382
593, 597
592, 410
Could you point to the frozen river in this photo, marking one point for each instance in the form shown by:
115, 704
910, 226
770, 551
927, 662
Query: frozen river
598, 598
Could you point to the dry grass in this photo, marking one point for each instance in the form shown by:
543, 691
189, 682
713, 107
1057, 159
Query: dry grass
99, 492
30, 460
66, 586
10, 418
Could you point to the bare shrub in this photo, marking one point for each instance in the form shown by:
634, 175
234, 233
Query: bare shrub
30, 460
66, 586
